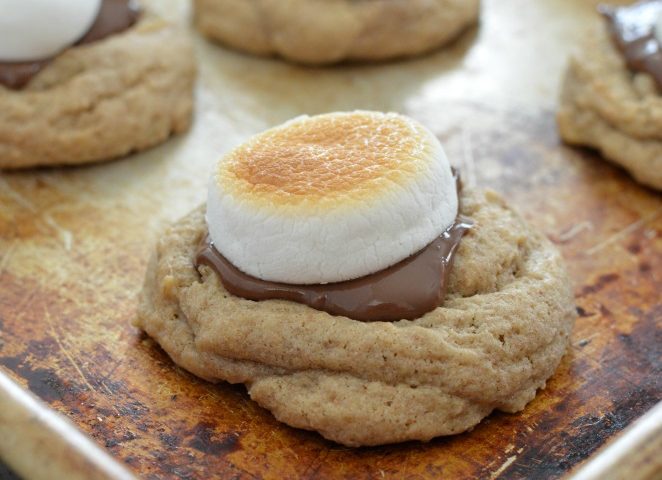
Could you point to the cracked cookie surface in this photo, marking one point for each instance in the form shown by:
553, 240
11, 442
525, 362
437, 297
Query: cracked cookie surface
498, 337
102, 100
330, 31
607, 107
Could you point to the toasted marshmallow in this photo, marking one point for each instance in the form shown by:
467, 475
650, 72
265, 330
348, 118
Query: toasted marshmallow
37, 29
331, 197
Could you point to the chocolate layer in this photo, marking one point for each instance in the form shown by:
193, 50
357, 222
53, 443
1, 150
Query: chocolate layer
633, 29
115, 16
407, 290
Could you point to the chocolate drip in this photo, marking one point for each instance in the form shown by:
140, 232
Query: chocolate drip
633, 31
406, 290
114, 16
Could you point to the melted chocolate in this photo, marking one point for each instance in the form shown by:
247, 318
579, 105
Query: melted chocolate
114, 16
406, 290
633, 29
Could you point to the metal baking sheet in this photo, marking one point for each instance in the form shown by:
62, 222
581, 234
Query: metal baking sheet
74, 245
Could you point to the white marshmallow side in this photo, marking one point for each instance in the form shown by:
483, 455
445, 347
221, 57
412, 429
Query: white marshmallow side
332, 245
658, 28
37, 29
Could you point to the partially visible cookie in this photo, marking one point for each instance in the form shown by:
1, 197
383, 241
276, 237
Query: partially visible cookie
618, 111
101, 100
498, 337
330, 31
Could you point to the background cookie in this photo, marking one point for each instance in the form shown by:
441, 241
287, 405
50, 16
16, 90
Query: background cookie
500, 334
607, 107
107, 99
329, 31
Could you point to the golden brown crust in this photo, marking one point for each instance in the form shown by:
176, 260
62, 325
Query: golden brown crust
328, 155
501, 333
99, 101
607, 107
329, 31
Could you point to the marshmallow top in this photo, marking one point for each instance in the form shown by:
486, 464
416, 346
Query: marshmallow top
33, 30
331, 197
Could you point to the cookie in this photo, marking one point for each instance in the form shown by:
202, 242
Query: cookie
101, 100
330, 31
498, 337
608, 106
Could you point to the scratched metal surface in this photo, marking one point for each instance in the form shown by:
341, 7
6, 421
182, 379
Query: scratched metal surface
6, 473
74, 244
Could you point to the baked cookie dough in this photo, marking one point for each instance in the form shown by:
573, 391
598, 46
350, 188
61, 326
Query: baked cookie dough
498, 337
101, 100
330, 31
606, 106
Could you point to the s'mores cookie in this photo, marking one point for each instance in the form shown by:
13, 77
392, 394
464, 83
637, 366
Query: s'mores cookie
611, 98
88, 80
330, 31
340, 271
